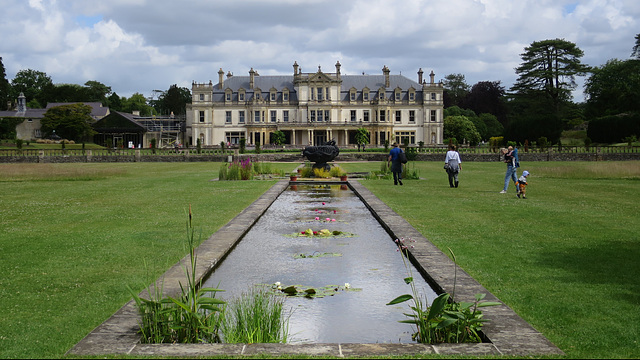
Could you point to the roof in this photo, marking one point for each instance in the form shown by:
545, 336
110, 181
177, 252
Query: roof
97, 111
118, 122
281, 82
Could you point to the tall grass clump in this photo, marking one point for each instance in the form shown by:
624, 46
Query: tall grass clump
256, 317
194, 316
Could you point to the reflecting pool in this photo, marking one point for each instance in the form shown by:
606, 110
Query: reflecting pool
362, 255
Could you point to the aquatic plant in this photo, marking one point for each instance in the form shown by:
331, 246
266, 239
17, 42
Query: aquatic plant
192, 317
444, 321
256, 317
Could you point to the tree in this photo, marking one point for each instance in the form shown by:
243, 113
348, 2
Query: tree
462, 129
137, 102
636, 48
97, 91
613, 88
487, 97
362, 138
174, 101
456, 89
35, 85
70, 122
114, 102
278, 137
550, 66
5, 88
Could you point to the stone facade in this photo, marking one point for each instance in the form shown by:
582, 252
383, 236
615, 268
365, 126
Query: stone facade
312, 108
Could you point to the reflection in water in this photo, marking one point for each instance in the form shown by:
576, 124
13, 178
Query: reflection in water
369, 262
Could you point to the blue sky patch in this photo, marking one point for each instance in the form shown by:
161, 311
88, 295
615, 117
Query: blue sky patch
88, 21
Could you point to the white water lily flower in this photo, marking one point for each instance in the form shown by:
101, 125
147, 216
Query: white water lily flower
277, 283
347, 285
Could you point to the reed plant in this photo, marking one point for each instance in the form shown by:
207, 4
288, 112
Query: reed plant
193, 317
256, 317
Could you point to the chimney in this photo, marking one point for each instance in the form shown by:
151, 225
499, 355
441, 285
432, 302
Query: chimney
220, 78
420, 73
251, 78
295, 68
386, 72
432, 76
229, 74
338, 69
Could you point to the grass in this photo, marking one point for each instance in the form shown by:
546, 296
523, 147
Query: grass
565, 259
70, 246
73, 236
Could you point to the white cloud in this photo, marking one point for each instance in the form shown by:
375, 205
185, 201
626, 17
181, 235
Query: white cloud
140, 45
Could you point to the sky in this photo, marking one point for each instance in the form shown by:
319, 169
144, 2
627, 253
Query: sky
138, 46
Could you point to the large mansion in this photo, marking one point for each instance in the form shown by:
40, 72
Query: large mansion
312, 108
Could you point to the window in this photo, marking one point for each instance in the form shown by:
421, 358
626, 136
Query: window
365, 95
257, 95
408, 137
273, 115
319, 93
313, 115
201, 97
273, 96
433, 115
398, 116
353, 115
227, 96
433, 96
383, 114
412, 116
227, 117
398, 95
412, 95
381, 95
365, 115
327, 114
256, 116
234, 137
285, 115
241, 116
201, 115
241, 96
285, 96
353, 96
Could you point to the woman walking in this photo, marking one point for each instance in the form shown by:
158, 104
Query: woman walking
452, 162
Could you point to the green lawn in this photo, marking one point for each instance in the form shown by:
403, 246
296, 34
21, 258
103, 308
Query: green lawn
73, 236
566, 259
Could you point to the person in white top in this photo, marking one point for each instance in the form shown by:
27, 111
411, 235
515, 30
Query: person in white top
453, 165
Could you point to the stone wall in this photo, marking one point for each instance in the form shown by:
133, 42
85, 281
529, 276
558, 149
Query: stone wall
297, 157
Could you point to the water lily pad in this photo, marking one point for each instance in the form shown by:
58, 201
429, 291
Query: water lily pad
316, 255
312, 292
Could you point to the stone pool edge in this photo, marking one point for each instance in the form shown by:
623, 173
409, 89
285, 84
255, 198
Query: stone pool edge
509, 334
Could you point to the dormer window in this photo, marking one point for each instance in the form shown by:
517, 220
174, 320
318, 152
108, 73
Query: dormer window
285, 94
412, 94
273, 95
398, 95
241, 94
365, 94
381, 94
227, 95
